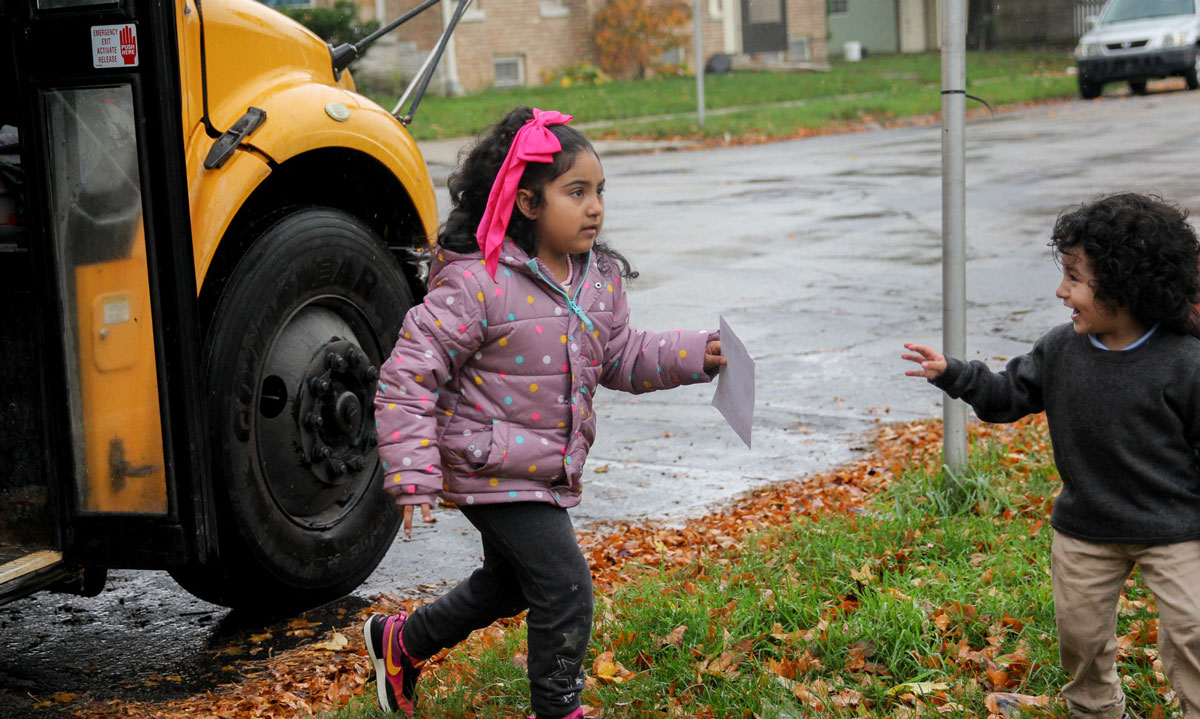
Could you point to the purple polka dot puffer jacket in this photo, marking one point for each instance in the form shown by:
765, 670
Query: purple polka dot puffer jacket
487, 396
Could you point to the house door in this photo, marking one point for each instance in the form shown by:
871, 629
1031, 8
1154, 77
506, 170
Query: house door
764, 26
912, 26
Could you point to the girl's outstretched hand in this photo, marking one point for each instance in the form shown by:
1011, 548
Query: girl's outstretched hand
933, 363
426, 516
712, 356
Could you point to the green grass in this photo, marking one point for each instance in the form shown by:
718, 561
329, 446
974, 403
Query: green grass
863, 602
880, 86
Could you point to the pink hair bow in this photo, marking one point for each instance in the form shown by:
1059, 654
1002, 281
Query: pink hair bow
533, 143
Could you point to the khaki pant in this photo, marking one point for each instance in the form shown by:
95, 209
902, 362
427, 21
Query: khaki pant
1088, 577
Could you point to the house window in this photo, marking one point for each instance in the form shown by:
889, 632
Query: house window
674, 56
508, 71
554, 8
473, 13
799, 48
838, 7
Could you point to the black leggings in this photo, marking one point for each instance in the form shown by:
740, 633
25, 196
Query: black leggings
530, 561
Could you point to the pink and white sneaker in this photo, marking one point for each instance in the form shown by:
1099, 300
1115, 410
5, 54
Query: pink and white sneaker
396, 671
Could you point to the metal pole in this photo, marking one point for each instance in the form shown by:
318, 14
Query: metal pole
425, 73
699, 63
954, 226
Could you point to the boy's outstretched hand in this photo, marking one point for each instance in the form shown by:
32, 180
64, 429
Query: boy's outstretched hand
933, 363
712, 356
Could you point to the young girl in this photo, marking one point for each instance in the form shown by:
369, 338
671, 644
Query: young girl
1120, 386
486, 399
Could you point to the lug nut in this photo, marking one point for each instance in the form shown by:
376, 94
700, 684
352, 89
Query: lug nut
372, 373
337, 466
319, 385
357, 463
356, 357
336, 362
321, 452
313, 420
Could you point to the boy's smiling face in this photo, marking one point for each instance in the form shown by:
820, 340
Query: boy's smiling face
1114, 328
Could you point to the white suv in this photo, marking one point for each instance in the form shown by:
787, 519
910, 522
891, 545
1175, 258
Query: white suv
1135, 40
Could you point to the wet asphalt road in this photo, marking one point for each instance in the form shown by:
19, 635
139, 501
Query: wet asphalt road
822, 254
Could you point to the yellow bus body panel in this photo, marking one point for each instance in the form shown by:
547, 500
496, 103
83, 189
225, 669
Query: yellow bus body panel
252, 52
215, 196
257, 57
298, 123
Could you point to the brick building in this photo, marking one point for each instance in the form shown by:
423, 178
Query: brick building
514, 42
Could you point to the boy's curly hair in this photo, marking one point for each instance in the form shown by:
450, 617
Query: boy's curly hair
1144, 254
471, 183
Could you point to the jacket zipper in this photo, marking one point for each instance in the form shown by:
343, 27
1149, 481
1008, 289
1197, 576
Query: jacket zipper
571, 304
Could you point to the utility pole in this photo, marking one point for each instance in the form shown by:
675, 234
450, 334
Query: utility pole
954, 226
699, 61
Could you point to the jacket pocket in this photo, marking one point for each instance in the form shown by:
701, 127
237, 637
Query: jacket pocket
501, 449
467, 446
519, 451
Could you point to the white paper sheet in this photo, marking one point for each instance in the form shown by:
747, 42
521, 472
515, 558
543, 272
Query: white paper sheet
735, 384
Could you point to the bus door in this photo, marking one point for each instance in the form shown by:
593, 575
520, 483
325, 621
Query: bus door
28, 537
107, 420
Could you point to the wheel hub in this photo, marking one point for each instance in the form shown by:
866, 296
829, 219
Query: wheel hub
349, 412
314, 438
339, 382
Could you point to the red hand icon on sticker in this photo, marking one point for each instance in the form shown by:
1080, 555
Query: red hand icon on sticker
128, 46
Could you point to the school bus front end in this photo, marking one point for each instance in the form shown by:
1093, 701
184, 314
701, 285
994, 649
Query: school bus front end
213, 249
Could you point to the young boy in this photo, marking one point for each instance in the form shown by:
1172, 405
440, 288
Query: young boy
1120, 386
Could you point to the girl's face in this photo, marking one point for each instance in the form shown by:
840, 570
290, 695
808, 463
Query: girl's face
571, 213
1114, 328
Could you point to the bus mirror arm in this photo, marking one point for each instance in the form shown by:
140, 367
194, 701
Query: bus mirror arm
425, 74
346, 53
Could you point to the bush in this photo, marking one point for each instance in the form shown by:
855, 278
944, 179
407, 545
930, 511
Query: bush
631, 35
581, 73
335, 25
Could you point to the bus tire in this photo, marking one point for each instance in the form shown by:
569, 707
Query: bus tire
291, 357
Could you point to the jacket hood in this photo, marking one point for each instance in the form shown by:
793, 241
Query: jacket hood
510, 256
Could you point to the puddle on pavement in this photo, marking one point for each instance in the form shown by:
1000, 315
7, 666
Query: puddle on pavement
898, 171
626, 172
861, 216
181, 655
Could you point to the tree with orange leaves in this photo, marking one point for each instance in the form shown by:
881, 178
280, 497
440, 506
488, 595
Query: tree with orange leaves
631, 35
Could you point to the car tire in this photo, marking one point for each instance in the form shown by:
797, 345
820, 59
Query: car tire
1089, 90
1137, 87
291, 358
1192, 76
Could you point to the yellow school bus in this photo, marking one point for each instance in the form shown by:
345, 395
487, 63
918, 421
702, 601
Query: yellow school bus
208, 241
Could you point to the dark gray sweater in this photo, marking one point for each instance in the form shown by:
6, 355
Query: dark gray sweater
1125, 427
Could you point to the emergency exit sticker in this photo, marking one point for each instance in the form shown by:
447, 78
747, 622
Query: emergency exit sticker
114, 45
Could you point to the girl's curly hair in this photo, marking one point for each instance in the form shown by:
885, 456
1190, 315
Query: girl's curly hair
1144, 254
471, 183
